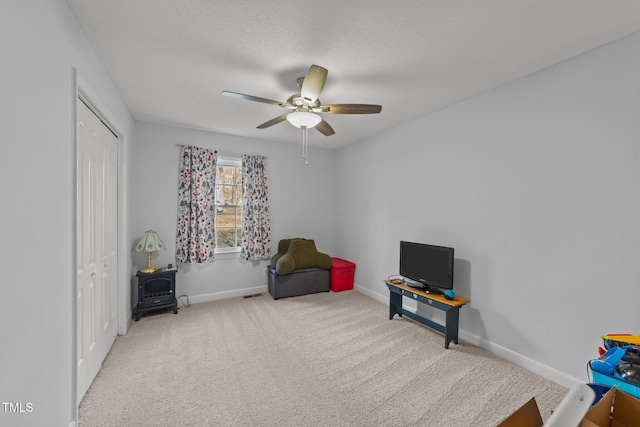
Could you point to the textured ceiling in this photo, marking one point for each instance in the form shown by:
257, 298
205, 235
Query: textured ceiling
171, 59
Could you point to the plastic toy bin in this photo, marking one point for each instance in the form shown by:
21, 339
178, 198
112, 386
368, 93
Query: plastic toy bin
612, 380
600, 390
342, 272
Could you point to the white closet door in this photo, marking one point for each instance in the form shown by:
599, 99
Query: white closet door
96, 244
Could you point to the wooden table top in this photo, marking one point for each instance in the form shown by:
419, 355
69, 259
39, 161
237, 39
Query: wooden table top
456, 302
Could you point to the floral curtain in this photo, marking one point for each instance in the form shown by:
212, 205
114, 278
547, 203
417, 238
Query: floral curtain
256, 227
196, 217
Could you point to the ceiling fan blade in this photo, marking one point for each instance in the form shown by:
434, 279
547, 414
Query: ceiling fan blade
313, 83
349, 108
324, 128
275, 121
254, 98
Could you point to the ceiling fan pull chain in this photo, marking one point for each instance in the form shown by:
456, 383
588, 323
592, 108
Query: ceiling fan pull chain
305, 151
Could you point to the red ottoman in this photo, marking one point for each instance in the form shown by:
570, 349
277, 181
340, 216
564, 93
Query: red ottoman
341, 274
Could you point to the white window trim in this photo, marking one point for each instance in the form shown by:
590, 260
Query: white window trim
228, 253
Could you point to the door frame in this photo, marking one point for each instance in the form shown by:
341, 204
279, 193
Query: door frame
82, 92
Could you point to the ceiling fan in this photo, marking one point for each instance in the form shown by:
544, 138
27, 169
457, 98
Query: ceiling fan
306, 104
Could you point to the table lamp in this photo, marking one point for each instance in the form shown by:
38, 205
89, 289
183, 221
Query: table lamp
149, 243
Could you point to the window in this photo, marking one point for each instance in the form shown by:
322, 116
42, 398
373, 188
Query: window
228, 203
222, 206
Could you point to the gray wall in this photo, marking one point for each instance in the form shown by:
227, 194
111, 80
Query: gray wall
536, 185
41, 45
300, 199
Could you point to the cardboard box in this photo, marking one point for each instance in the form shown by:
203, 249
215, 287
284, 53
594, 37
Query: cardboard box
570, 412
527, 416
615, 409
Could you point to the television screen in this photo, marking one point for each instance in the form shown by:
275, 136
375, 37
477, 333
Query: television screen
429, 265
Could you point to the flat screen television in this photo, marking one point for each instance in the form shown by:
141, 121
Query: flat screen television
427, 266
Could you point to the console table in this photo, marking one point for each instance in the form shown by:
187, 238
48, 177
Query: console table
450, 307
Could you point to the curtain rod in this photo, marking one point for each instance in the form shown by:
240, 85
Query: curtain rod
228, 153
185, 145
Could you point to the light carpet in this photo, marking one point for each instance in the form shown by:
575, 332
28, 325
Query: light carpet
327, 359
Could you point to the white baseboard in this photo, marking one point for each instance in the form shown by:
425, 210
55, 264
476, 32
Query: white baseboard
215, 296
376, 296
521, 360
500, 351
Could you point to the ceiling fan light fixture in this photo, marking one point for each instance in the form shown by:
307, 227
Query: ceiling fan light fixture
303, 119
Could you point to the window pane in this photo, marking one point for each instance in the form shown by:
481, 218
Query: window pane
228, 206
224, 175
227, 237
237, 196
226, 218
228, 195
229, 175
223, 195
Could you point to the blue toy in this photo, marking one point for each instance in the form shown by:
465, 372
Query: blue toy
607, 363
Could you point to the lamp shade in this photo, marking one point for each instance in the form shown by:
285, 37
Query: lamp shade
150, 242
303, 119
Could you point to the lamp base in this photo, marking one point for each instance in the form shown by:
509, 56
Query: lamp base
149, 268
